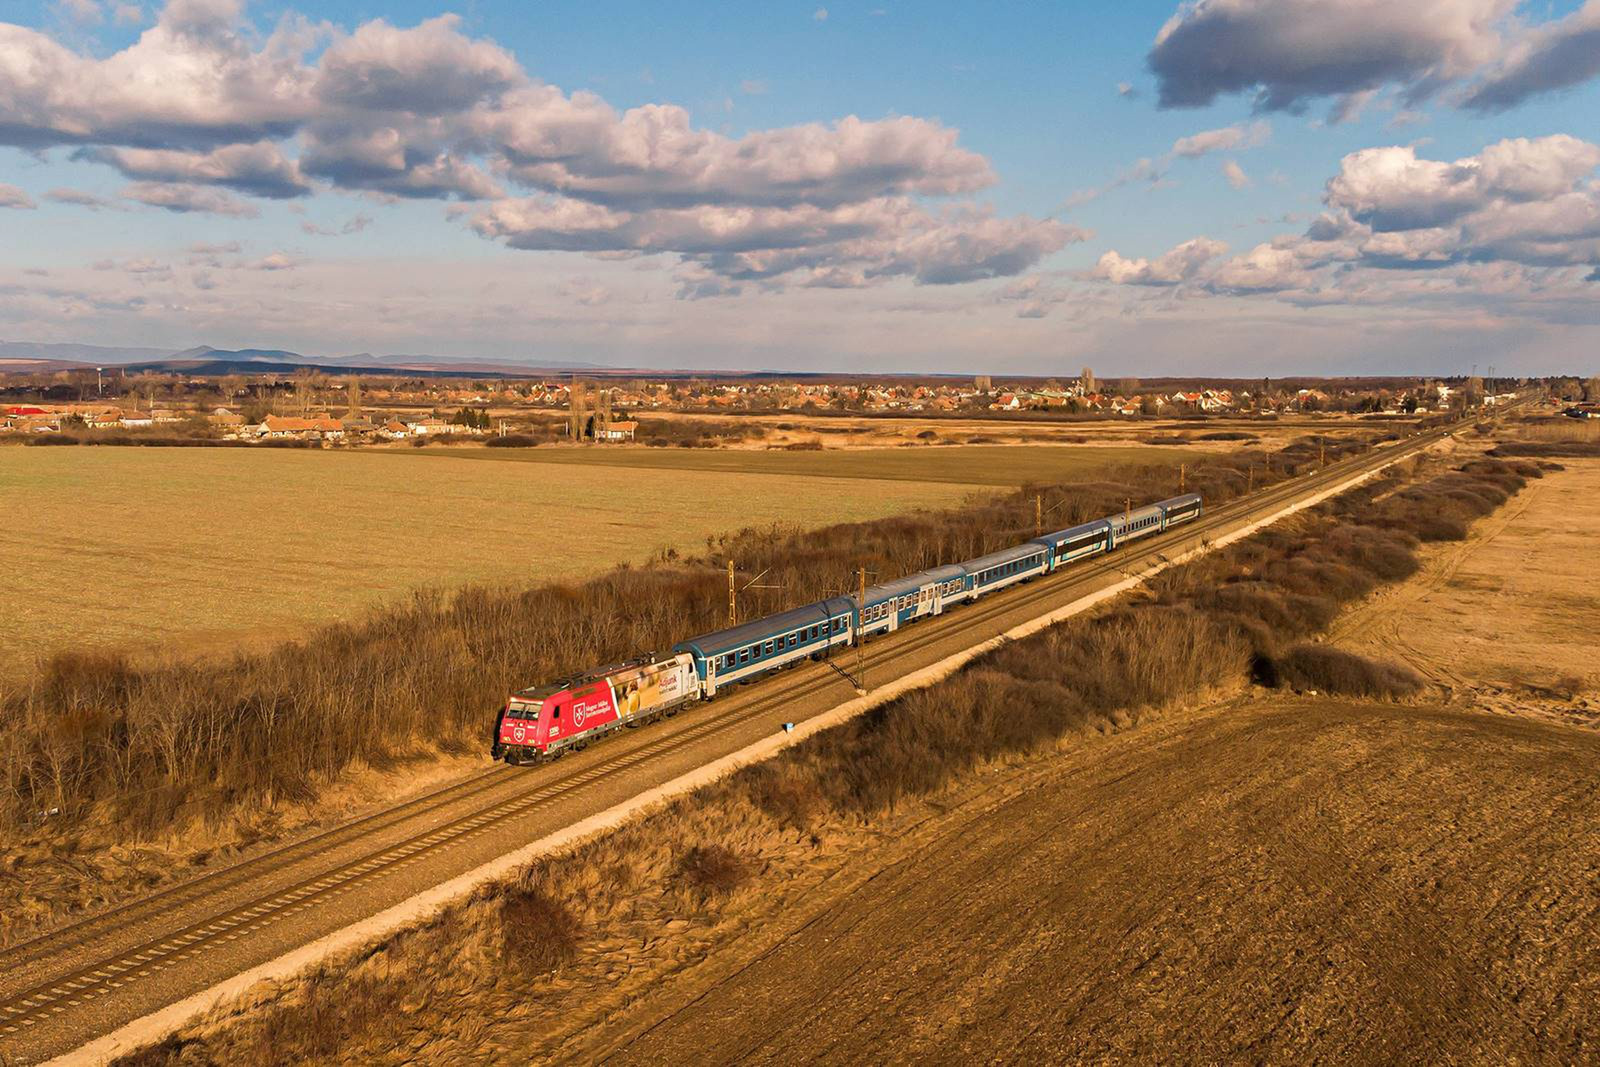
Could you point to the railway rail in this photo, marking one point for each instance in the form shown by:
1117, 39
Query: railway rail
494, 797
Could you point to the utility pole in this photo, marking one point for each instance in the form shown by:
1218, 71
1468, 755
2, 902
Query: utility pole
1038, 514
1250, 486
1182, 470
733, 597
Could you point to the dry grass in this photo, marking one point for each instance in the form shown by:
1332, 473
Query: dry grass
1089, 674
160, 550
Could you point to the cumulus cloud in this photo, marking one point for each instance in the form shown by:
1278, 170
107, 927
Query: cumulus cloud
1179, 264
1520, 216
1286, 53
1236, 175
1544, 59
11, 196
202, 103
183, 199
259, 169
882, 238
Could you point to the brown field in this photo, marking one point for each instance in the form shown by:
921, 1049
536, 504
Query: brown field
188, 549
1311, 881
1508, 620
966, 465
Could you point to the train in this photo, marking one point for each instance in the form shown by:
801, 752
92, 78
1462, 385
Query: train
542, 722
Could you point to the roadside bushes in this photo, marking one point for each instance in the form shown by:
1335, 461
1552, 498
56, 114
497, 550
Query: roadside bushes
1333, 670
1015, 700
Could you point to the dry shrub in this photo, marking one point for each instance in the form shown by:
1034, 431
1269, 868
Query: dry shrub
1333, 670
1019, 698
712, 870
788, 797
539, 932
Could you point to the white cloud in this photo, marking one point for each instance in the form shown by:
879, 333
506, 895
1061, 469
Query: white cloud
1226, 139
11, 196
182, 198
1179, 264
259, 169
1236, 175
820, 15
79, 198
1545, 58
201, 102
1288, 52
274, 262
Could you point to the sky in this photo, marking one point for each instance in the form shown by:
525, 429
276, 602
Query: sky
1230, 187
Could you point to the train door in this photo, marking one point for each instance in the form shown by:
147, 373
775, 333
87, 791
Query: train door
894, 614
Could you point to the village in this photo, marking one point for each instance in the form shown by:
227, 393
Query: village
276, 409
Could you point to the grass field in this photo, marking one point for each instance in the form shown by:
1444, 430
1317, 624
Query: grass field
994, 465
204, 549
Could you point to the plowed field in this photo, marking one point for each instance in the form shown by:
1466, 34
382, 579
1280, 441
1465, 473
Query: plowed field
1277, 881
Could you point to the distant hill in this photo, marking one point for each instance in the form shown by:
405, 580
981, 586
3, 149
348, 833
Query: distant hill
28, 357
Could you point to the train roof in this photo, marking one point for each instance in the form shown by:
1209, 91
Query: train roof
1180, 501
1005, 555
1072, 533
912, 582
747, 633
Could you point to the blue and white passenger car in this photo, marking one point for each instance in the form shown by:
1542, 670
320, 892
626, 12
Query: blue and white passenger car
1180, 509
1005, 567
753, 648
1076, 542
893, 604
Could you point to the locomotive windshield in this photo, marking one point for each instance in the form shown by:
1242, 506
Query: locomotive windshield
524, 709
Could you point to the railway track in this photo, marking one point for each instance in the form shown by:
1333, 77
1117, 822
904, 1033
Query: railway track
506, 793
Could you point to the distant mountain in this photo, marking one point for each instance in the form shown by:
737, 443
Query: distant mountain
35, 357
69, 356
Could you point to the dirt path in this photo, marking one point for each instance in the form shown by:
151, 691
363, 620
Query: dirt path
1506, 619
1310, 880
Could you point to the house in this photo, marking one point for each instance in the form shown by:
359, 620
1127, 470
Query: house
429, 427
283, 426
136, 421
224, 417
330, 429
395, 430
618, 431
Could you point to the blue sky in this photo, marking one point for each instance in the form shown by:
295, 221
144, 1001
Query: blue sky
1233, 186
